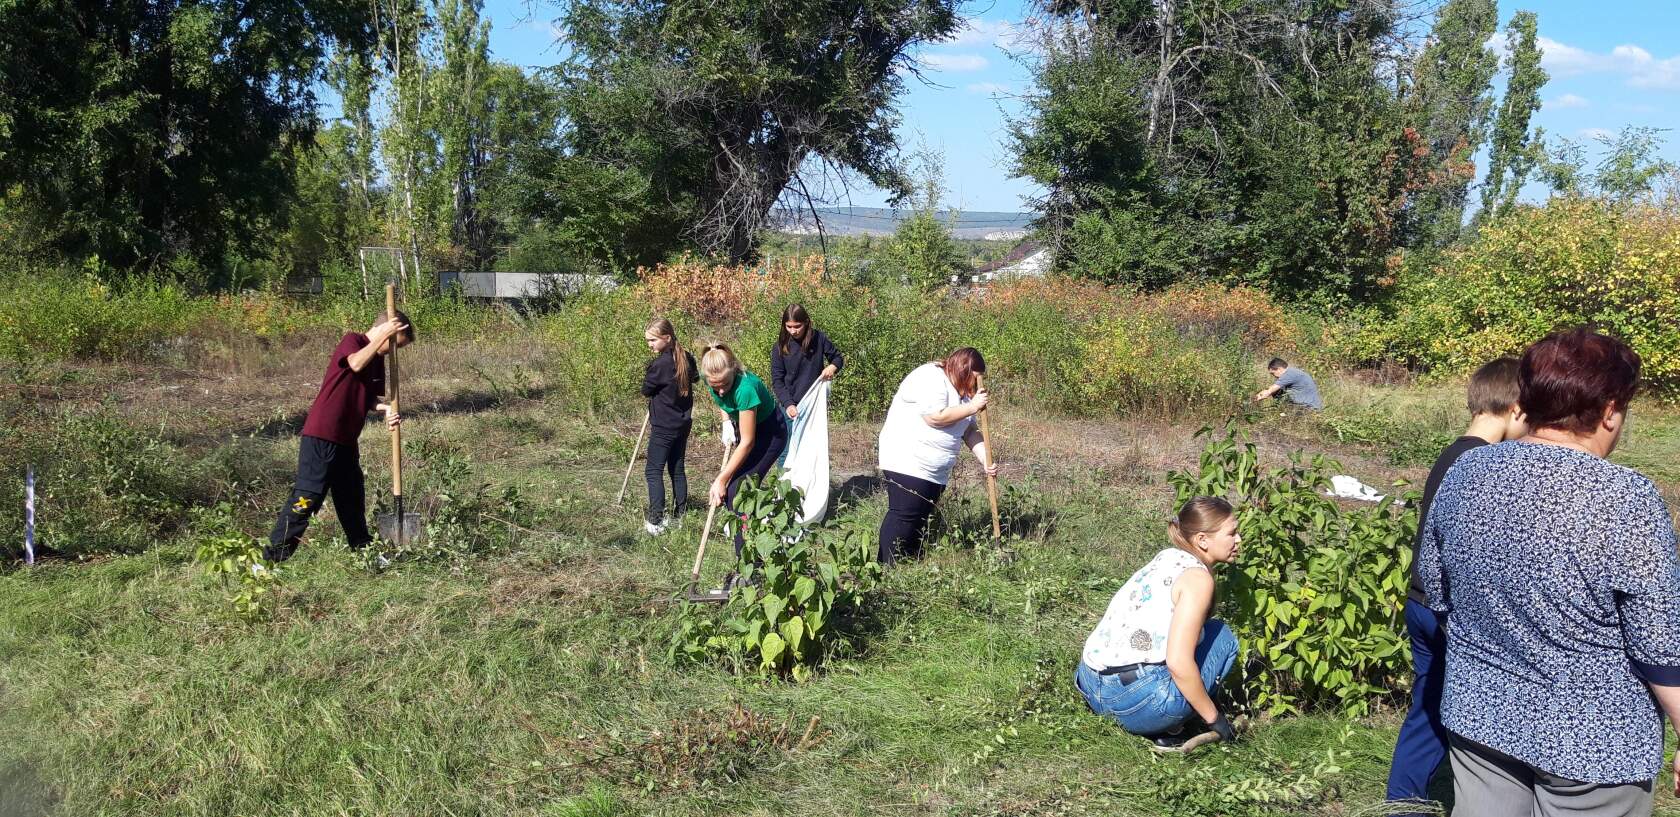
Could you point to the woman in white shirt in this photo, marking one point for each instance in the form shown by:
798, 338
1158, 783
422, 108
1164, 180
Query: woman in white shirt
1157, 655
931, 416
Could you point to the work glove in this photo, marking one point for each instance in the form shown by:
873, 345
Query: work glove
1222, 727
728, 434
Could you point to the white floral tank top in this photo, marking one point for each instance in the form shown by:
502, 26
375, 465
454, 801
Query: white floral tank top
1134, 630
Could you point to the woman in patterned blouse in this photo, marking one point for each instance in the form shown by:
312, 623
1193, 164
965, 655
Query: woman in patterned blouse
1158, 654
1558, 574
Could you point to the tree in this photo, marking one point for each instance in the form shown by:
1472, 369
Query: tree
1451, 98
1627, 174
463, 111
921, 249
716, 106
1512, 153
154, 134
1258, 142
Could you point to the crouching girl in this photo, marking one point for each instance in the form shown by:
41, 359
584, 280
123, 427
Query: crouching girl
1157, 656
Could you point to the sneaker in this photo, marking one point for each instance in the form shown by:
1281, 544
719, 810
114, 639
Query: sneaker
1170, 741
654, 529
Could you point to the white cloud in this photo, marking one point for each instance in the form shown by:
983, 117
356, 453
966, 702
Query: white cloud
990, 88
1596, 134
955, 62
1638, 66
999, 33
1568, 101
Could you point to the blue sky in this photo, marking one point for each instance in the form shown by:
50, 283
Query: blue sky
1613, 63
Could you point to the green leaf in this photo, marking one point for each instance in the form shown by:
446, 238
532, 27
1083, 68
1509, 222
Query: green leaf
771, 649
803, 589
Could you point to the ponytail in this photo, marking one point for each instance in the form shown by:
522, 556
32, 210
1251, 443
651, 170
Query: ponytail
679, 355
720, 360
1202, 514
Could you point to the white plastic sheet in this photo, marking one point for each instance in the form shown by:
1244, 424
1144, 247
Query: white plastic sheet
805, 461
1346, 487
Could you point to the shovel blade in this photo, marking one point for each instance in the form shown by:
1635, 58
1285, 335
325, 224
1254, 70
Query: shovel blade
412, 529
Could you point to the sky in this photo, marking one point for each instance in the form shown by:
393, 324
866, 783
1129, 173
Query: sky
1613, 64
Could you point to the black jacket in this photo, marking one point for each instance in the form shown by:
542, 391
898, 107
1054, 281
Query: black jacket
666, 408
791, 376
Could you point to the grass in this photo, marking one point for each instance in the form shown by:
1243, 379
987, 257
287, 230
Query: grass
535, 682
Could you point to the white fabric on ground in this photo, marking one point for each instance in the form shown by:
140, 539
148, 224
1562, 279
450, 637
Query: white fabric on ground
1346, 487
805, 460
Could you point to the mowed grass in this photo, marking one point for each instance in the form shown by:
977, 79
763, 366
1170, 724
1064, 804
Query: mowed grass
535, 682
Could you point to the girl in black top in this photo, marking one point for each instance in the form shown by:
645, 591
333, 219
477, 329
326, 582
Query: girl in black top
669, 387
801, 357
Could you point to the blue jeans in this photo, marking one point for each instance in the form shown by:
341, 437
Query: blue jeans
1152, 703
1423, 740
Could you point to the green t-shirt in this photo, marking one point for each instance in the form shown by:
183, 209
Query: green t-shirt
749, 393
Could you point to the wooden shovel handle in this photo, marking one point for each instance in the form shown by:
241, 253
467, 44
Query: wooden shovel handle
991, 481
391, 394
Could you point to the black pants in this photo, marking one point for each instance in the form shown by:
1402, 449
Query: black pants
323, 466
666, 448
768, 445
910, 504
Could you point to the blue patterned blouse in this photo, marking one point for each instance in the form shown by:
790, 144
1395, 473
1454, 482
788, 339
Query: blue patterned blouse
1560, 578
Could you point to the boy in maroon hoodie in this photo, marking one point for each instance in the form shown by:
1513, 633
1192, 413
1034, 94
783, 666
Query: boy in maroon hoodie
328, 458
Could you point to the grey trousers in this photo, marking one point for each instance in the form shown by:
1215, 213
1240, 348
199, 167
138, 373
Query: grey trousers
1487, 783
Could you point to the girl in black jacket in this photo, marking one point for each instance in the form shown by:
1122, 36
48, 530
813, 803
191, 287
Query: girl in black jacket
802, 356
669, 387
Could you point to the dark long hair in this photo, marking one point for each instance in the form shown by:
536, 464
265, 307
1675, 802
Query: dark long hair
795, 313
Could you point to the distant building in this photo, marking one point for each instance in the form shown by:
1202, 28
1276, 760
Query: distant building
1029, 259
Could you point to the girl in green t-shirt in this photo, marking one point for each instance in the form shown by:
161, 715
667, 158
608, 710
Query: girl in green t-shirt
749, 415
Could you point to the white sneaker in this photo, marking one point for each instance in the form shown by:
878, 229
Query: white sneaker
653, 529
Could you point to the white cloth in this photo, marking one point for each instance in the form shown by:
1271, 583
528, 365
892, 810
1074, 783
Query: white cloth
1134, 629
805, 460
908, 444
1346, 487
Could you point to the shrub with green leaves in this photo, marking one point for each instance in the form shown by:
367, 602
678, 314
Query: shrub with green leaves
102, 485
236, 561
1316, 594
781, 619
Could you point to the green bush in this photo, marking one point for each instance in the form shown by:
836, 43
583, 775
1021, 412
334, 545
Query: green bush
781, 620
101, 485
1572, 262
1316, 595
60, 315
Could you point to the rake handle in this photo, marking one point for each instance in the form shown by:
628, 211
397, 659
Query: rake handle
633, 452
391, 400
991, 481
705, 533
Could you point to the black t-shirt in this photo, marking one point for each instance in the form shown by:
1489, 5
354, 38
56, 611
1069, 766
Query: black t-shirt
666, 408
1438, 472
793, 374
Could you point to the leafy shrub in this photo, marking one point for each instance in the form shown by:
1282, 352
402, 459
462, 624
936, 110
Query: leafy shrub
464, 517
781, 618
593, 350
62, 315
236, 561
1194, 789
1316, 596
1571, 262
101, 485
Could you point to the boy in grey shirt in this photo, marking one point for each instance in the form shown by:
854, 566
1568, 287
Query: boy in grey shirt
1297, 385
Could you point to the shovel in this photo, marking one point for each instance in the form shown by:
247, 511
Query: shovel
693, 593
399, 528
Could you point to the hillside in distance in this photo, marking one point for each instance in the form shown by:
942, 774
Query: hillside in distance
855, 221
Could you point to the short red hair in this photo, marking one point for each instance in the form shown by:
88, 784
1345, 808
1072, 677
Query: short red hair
1570, 377
963, 367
